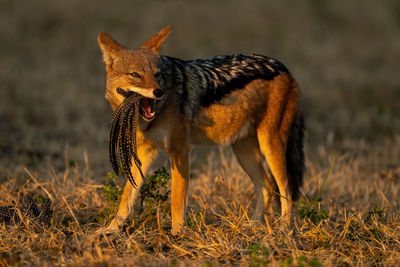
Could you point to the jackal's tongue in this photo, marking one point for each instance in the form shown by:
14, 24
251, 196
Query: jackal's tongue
147, 107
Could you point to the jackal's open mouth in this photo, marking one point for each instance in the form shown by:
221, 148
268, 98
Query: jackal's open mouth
147, 108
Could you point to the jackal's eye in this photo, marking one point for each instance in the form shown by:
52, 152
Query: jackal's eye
135, 74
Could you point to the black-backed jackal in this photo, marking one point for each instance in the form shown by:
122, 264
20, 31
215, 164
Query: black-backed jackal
248, 101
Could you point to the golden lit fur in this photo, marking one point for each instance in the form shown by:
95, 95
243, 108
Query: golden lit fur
256, 120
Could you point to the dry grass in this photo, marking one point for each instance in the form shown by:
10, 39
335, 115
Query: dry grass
54, 127
362, 228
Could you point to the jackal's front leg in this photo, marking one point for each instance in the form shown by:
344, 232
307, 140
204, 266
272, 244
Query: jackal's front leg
180, 176
146, 154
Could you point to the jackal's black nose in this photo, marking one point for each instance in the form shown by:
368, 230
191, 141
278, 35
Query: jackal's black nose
158, 93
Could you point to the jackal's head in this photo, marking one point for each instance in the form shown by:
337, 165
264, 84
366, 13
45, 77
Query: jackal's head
135, 70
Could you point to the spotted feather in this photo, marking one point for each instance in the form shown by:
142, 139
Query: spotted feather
122, 142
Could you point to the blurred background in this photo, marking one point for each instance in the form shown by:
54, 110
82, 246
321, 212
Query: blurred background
345, 56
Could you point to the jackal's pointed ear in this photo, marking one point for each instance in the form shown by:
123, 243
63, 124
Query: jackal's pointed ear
156, 41
109, 47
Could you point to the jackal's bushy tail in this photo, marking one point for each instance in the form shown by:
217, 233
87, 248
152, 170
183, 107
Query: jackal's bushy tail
295, 156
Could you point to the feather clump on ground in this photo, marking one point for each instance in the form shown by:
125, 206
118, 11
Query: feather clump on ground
122, 143
13, 215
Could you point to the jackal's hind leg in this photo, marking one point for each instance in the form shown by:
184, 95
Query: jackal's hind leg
249, 156
273, 147
275, 155
272, 132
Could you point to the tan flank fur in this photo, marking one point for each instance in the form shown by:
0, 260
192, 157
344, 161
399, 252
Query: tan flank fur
250, 102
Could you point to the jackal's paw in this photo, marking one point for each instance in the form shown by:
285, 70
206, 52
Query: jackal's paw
112, 228
176, 230
286, 220
257, 217
284, 224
